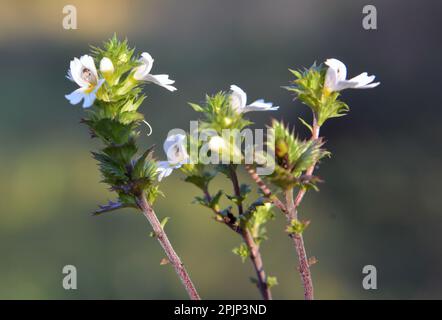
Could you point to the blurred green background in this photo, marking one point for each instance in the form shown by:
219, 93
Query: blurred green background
381, 200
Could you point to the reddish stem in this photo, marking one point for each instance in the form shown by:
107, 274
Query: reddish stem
304, 266
165, 243
255, 255
292, 206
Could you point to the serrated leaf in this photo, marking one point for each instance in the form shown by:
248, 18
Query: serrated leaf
297, 227
242, 251
271, 281
196, 107
306, 124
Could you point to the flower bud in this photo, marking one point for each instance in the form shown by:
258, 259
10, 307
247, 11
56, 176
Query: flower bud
217, 143
281, 148
106, 67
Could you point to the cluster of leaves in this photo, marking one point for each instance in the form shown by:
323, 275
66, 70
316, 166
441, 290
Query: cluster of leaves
114, 119
309, 88
292, 157
219, 114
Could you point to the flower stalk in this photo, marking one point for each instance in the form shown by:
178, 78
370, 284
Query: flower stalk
318, 88
298, 241
112, 96
253, 247
173, 258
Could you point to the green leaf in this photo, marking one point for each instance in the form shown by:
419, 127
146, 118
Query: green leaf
139, 169
306, 124
271, 281
164, 221
255, 218
297, 227
121, 154
112, 131
113, 172
196, 107
199, 178
242, 251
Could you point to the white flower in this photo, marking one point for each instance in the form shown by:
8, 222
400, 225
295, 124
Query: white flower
217, 143
83, 72
238, 99
335, 78
175, 149
142, 73
106, 66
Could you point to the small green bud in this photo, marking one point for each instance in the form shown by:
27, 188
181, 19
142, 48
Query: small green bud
281, 148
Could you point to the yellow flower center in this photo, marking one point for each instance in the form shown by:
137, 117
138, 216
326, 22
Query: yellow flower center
326, 91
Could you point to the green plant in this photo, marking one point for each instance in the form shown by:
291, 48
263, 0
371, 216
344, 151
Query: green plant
112, 96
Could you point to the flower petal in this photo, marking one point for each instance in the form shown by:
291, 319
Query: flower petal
76, 96
74, 73
260, 105
146, 65
238, 98
175, 148
89, 100
161, 79
164, 169
339, 67
369, 86
331, 80
88, 62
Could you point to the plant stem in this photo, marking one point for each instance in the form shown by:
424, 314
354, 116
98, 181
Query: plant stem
309, 172
165, 243
266, 191
292, 208
304, 265
255, 254
256, 258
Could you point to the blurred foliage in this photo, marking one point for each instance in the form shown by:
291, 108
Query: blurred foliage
380, 203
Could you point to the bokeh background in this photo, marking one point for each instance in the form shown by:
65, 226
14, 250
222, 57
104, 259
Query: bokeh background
380, 204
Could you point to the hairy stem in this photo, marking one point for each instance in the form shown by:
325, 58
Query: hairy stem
304, 265
265, 190
165, 243
255, 254
292, 213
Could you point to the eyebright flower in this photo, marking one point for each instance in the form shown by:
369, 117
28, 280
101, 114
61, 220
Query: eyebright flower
238, 99
335, 78
142, 73
83, 72
175, 149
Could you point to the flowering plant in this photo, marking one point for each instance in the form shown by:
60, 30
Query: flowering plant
112, 96
293, 159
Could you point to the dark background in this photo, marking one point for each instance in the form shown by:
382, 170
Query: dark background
381, 201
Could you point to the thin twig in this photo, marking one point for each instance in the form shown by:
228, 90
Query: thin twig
266, 191
290, 210
304, 266
165, 243
309, 172
292, 205
255, 254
